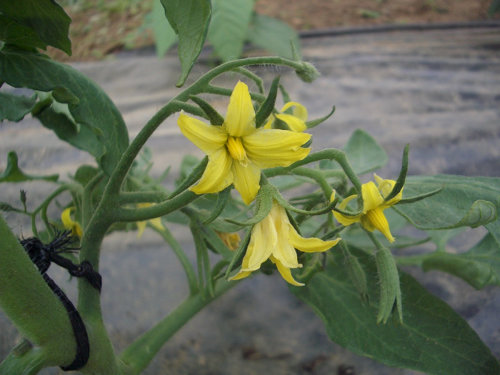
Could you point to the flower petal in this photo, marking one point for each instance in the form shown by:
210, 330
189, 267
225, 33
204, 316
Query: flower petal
264, 238
293, 122
375, 219
346, 219
269, 148
385, 187
208, 138
309, 245
246, 180
217, 175
286, 273
240, 116
298, 110
371, 196
240, 275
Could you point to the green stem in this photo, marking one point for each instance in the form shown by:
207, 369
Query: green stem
140, 353
43, 208
153, 196
157, 210
316, 175
328, 154
181, 256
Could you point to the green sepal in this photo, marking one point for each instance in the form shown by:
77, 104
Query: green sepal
13, 173
316, 122
214, 117
398, 186
419, 197
267, 107
263, 205
222, 199
390, 289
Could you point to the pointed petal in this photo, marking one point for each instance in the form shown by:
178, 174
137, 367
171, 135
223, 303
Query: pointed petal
286, 273
298, 110
345, 219
240, 116
240, 275
309, 245
385, 187
371, 196
262, 241
295, 123
141, 225
269, 148
156, 223
217, 175
246, 180
208, 138
375, 219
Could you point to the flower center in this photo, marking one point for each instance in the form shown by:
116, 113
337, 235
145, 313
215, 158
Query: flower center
236, 149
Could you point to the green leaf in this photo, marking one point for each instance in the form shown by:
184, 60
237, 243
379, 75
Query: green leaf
189, 19
35, 23
274, 35
13, 173
89, 106
494, 7
480, 266
364, 153
463, 201
433, 338
228, 28
14, 107
164, 35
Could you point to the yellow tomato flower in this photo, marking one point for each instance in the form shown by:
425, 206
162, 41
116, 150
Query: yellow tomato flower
141, 225
237, 150
70, 224
372, 216
276, 239
296, 121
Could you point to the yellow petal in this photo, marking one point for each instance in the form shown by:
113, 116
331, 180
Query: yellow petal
385, 187
69, 223
346, 219
262, 242
141, 226
371, 196
240, 275
375, 219
293, 122
217, 175
246, 180
269, 148
286, 273
309, 245
208, 138
298, 110
240, 116
156, 223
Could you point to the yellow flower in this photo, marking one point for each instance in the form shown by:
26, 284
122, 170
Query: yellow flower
296, 121
237, 150
68, 222
141, 225
372, 216
276, 239
231, 240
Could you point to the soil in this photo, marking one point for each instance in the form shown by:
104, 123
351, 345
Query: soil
98, 30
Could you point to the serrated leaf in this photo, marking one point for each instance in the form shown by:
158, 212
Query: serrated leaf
42, 22
433, 338
163, 33
13, 173
88, 105
462, 201
228, 28
480, 266
364, 153
274, 35
189, 19
15, 107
